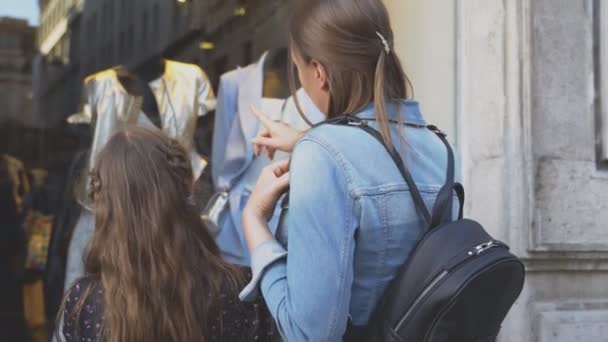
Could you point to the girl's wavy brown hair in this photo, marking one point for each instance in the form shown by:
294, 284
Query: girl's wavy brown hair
158, 266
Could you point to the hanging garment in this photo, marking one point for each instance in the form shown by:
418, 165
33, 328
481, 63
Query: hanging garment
183, 93
235, 169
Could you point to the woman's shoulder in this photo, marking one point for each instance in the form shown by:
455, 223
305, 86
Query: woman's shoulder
329, 139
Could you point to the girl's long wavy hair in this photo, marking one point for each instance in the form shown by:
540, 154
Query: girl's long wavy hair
158, 266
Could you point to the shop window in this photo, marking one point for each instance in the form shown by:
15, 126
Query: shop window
220, 66
130, 39
155, 22
247, 53
144, 30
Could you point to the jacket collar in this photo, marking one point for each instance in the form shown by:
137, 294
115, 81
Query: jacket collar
408, 110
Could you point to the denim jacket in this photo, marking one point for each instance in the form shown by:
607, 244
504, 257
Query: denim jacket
351, 222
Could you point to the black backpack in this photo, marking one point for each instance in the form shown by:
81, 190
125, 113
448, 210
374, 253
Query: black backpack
459, 282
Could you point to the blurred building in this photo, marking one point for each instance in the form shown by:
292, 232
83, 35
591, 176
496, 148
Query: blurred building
16, 51
56, 84
42, 4
56, 67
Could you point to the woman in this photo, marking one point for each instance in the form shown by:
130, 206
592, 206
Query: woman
153, 272
351, 222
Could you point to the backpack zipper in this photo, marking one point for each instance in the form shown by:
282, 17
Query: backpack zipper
422, 296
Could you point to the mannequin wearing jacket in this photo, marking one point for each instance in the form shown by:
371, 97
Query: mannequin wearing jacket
159, 93
235, 168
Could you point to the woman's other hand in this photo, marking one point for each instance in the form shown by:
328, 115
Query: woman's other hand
272, 183
274, 136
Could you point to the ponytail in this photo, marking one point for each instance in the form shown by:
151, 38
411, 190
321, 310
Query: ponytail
380, 98
390, 83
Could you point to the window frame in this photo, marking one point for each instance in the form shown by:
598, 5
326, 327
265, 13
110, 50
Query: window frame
602, 72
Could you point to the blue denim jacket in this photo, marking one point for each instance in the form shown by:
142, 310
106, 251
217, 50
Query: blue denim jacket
345, 185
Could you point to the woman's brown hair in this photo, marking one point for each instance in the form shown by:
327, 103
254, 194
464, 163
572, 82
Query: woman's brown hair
158, 266
344, 36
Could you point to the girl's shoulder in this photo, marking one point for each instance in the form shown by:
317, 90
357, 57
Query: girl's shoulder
83, 314
84, 286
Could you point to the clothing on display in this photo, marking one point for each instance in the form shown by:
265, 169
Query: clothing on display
235, 168
182, 92
163, 94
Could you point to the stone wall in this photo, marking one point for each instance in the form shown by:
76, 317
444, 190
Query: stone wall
528, 120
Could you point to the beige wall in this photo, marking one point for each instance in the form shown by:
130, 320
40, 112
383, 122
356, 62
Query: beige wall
425, 41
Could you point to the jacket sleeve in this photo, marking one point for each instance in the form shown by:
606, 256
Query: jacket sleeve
308, 293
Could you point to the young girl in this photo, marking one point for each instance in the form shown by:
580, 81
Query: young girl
351, 222
153, 271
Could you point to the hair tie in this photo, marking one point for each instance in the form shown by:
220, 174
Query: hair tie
384, 42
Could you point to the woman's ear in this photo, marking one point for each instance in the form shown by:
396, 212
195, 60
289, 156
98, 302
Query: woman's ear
321, 76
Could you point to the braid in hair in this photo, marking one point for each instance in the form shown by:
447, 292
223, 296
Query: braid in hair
179, 163
94, 185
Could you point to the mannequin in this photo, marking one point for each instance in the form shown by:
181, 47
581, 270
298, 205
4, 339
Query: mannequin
135, 80
155, 93
235, 168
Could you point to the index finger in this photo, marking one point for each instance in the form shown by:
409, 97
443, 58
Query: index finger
262, 117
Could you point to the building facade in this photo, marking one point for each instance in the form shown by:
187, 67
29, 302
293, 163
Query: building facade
56, 66
522, 88
16, 51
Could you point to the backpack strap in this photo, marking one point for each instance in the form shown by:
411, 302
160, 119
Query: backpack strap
442, 210
354, 121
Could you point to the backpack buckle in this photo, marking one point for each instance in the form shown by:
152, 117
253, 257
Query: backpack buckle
357, 123
354, 121
436, 130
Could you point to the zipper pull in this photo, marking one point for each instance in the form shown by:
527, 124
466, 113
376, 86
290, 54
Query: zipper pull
483, 247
